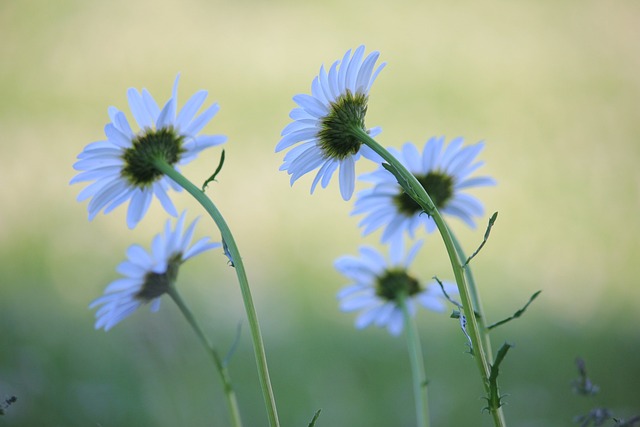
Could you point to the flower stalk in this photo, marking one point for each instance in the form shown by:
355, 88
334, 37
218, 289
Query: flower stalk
475, 297
414, 189
229, 393
417, 367
230, 244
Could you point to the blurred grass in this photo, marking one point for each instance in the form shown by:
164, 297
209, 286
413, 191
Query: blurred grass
553, 89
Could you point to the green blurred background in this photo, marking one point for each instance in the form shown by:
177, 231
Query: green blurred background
552, 87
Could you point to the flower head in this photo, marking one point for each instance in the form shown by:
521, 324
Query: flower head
444, 171
122, 166
322, 123
378, 286
148, 275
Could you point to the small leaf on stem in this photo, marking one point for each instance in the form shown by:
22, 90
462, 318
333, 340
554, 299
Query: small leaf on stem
516, 314
494, 401
492, 220
217, 171
315, 418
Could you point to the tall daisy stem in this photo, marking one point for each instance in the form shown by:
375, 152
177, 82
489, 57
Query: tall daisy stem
417, 366
230, 395
475, 297
227, 237
414, 189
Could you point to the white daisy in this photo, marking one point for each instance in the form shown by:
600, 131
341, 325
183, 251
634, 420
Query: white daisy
148, 275
122, 165
322, 122
444, 171
377, 286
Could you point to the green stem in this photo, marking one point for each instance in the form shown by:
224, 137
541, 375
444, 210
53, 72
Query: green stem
227, 237
475, 296
498, 416
411, 185
229, 393
417, 368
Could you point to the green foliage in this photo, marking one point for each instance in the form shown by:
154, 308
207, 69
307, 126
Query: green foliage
494, 400
492, 220
215, 173
516, 314
315, 418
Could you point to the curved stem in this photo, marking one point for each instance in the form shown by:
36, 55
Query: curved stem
417, 368
232, 401
414, 189
229, 241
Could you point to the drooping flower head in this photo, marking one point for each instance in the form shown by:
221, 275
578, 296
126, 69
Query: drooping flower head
377, 286
122, 165
444, 171
148, 275
321, 123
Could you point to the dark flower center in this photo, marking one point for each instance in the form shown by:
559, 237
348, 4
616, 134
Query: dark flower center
394, 283
439, 185
157, 284
347, 112
152, 145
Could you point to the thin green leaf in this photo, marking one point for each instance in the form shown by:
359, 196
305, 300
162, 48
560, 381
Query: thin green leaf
446, 295
315, 418
217, 171
494, 401
516, 314
492, 220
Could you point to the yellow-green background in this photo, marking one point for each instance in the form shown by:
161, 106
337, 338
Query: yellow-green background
553, 87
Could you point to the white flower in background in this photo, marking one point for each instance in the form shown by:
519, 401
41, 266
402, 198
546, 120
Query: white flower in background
322, 122
444, 171
148, 275
378, 285
122, 165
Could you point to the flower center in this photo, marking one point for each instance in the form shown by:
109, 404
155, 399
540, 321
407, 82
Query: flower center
156, 284
162, 143
439, 185
395, 283
347, 112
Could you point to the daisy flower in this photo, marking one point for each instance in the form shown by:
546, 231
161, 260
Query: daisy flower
122, 166
444, 171
322, 123
148, 275
378, 286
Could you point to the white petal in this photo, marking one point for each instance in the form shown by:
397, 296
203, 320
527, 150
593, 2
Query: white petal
478, 181
164, 198
116, 136
150, 104
295, 137
412, 158
138, 109
190, 109
395, 323
347, 177
121, 123
375, 75
138, 206
353, 69
137, 254
201, 121
167, 115
311, 105
364, 74
199, 247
